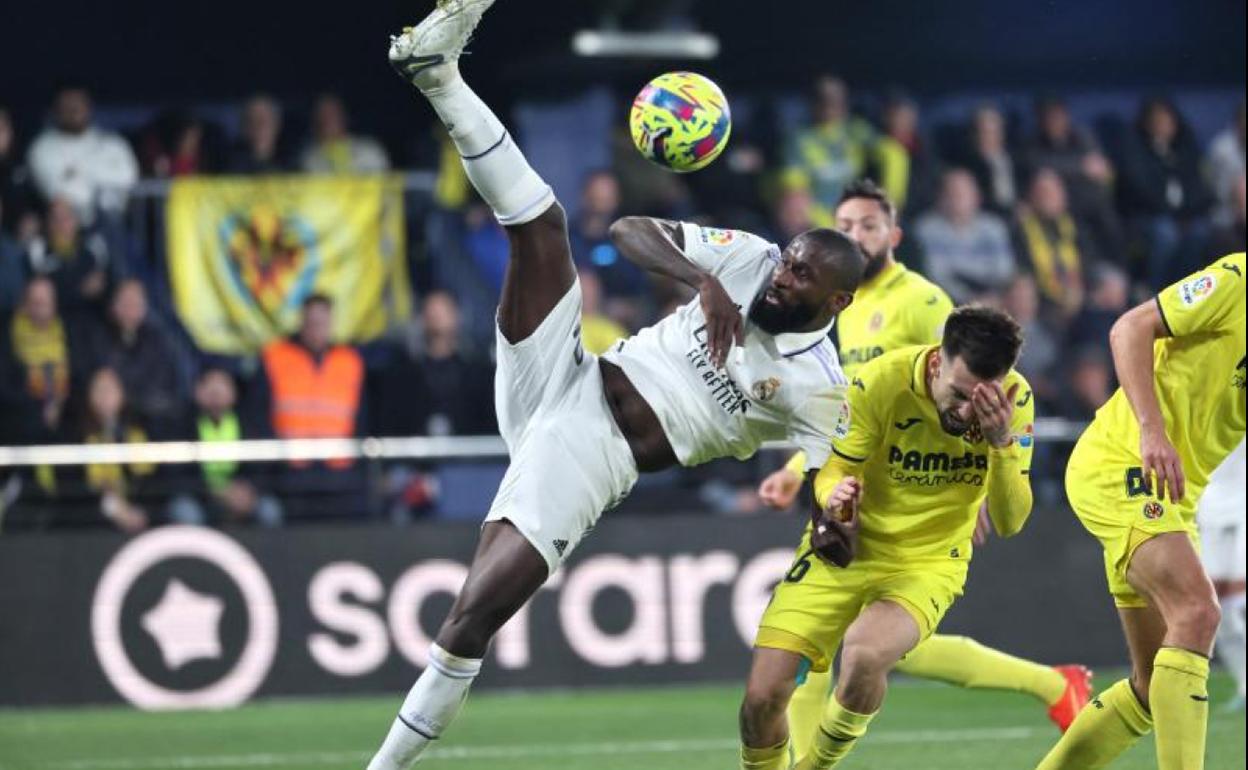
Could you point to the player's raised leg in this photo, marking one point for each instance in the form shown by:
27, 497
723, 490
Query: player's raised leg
506, 569
882, 634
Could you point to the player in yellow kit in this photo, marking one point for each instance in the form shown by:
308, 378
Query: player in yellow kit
933, 431
894, 308
1133, 480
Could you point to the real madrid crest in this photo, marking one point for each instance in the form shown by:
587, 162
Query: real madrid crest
765, 390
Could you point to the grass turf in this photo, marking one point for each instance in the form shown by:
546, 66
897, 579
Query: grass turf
687, 728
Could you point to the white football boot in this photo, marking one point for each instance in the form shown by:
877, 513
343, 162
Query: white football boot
426, 54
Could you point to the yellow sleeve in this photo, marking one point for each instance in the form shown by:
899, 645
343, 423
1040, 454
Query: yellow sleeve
797, 464
1009, 470
854, 442
1209, 300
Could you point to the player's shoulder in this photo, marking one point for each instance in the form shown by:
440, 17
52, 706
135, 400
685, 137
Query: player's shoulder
1022, 396
891, 371
913, 291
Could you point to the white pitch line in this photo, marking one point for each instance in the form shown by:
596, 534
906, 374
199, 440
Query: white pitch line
453, 753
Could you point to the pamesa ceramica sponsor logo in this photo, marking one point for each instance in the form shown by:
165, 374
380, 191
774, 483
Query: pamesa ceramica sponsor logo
184, 617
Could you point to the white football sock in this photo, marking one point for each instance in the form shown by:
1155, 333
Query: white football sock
429, 708
495, 165
1230, 645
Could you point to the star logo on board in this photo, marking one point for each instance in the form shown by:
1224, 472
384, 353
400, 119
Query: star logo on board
186, 625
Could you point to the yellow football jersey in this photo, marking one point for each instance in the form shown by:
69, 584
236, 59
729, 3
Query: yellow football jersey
922, 487
1198, 373
896, 308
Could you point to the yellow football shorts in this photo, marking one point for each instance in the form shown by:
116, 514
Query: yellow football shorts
815, 603
1113, 504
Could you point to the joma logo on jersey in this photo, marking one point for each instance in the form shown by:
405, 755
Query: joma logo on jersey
915, 460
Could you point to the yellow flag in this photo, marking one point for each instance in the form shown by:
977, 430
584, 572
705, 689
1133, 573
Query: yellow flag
245, 252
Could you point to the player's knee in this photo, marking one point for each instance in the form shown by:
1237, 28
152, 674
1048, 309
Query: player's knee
468, 630
553, 222
864, 660
1200, 616
763, 703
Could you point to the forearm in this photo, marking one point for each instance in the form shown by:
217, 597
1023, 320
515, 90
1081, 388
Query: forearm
653, 245
1009, 491
1131, 341
828, 477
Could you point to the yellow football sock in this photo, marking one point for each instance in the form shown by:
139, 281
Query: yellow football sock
1110, 725
806, 709
774, 758
1179, 696
838, 731
967, 663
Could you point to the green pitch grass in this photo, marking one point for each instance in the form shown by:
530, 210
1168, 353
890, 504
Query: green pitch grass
923, 726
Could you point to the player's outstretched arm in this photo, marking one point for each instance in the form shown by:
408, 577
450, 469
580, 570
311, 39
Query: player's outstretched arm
657, 246
1131, 340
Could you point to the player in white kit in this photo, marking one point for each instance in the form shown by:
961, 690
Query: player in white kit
1220, 516
745, 362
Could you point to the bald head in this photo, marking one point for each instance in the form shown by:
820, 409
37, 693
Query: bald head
817, 276
837, 254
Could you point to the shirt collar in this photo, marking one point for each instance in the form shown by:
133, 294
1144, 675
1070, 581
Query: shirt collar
883, 277
792, 343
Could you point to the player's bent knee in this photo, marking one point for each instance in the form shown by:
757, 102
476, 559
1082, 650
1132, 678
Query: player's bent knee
862, 659
553, 222
762, 705
1200, 616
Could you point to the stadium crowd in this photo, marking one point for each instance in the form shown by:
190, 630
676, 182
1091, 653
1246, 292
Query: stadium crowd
1062, 226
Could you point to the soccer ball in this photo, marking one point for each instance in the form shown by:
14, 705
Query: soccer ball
680, 121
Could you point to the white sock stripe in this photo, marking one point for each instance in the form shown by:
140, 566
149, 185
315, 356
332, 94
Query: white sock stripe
488, 150
435, 665
530, 211
453, 664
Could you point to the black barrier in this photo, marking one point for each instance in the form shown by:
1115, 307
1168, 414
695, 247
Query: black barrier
187, 617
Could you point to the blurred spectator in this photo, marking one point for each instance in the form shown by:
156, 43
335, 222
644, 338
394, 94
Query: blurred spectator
833, 151
313, 388
220, 492
257, 150
120, 488
12, 270
1041, 350
1073, 152
36, 357
1109, 291
178, 144
71, 159
1090, 383
436, 389
133, 346
967, 250
335, 151
1163, 192
76, 260
906, 166
1229, 238
988, 158
1052, 244
791, 215
598, 333
17, 194
1226, 168
592, 247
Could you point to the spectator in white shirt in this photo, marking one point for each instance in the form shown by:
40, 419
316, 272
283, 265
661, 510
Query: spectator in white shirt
333, 149
90, 168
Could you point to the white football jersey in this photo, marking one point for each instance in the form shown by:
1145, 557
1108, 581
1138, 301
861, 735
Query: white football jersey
783, 387
1222, 502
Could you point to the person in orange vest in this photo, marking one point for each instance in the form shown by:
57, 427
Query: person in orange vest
312, 388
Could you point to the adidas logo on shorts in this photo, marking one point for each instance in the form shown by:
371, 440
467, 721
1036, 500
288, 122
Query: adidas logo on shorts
561, 546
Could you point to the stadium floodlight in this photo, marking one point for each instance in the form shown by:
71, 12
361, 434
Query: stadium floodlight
657, 45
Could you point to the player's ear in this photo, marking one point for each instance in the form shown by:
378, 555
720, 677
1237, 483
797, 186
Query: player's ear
895, 240
839, 300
